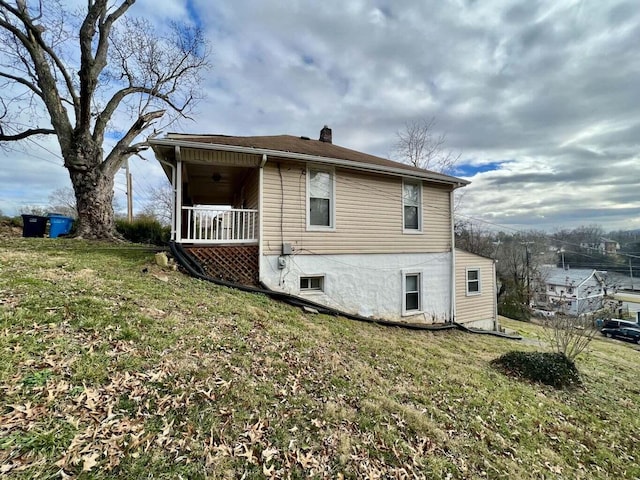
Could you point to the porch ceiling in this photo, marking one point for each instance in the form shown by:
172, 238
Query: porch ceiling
214, 184
216, 157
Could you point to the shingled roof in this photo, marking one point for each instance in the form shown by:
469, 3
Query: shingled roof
305, 146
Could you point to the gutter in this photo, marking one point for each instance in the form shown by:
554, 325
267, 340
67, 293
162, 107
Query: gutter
367, 167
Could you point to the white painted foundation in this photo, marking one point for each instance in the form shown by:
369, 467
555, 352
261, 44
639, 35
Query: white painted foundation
487, 324
368, 284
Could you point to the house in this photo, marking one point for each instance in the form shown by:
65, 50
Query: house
603, 246
572, 291
348, 230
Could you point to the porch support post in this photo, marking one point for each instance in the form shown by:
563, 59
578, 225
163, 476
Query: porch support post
178, 203
173, 195
260, 215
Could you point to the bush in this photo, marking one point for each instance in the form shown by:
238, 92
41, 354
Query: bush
12, 221
549, 368
144, 230
513, 304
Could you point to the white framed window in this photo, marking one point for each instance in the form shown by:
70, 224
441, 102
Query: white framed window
411, 293
312, 284
473, 281
321, 202
411, 206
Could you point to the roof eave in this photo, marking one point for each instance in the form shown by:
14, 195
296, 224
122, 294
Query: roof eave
431, 176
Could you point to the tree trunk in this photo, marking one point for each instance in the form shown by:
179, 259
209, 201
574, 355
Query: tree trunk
94, 199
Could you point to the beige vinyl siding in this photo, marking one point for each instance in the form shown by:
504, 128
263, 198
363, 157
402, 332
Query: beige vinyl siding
471, 308
252, 190
368, 214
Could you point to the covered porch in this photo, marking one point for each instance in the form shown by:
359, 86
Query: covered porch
216, 214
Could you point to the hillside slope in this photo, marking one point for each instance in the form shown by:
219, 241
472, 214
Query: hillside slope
110, 366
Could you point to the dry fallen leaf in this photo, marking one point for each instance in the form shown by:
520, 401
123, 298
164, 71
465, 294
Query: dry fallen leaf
89, 461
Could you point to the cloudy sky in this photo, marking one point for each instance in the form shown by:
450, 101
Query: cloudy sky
540, 98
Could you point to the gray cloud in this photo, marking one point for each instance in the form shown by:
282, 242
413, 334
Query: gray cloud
550, 86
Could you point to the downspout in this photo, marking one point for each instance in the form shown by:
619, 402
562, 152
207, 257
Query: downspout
260, 215
173, 197
453, 260
178, 194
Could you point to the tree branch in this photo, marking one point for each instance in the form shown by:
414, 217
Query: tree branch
25, 134
24, 82
105, 28
123, 149
35, 33
32, 41
104, 116
93, 65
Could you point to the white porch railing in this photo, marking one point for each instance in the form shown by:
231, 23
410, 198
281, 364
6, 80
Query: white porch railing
210, 225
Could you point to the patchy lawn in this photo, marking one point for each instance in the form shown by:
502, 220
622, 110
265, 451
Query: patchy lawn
111, 367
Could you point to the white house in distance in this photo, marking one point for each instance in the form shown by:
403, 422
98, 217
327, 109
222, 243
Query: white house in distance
604, 246
345, 229
570, 291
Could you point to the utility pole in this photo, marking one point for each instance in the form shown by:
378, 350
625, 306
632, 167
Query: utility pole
528, 263
526, 247
129, 193
631, 273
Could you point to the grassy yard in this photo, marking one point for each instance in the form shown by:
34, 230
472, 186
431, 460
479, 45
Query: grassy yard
111, 367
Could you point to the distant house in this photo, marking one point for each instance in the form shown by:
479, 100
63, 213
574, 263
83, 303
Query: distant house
343, 228
604, 246
573, 291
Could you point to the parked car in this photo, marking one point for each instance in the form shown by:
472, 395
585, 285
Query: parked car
616, 323
623, 332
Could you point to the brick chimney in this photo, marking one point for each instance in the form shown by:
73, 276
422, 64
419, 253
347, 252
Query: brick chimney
325, 135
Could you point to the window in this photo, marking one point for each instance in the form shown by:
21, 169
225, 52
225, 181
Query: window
473, 281
411, 204
311, 284
412, 288
320, 199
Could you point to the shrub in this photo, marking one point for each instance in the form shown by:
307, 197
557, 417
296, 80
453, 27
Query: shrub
513, 302
11, 221
552, 369
569, 335
144, 230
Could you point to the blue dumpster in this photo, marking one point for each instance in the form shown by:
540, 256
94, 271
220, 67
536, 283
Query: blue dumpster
33, 225
60, 225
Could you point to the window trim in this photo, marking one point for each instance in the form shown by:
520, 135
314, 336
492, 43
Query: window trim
413, 231
404, 275
479, 281
332, 207
311, 290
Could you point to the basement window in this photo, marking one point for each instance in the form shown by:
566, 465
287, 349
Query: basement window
312, 284
411, 293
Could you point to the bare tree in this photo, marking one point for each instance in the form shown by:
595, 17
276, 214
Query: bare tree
63, 201
475, 239
570, 335
88, 74
420, 146
160, 203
